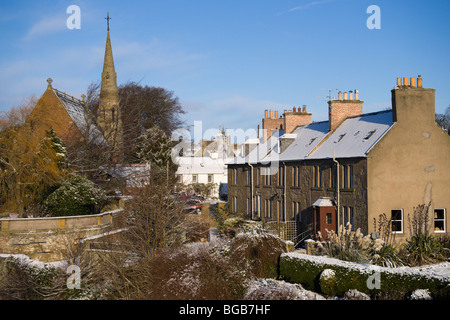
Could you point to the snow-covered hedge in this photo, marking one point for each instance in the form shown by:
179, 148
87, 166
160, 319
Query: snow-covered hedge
370, 279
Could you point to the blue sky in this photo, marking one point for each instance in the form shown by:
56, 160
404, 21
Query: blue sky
228, 61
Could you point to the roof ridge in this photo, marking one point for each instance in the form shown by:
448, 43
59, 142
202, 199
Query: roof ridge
68, 95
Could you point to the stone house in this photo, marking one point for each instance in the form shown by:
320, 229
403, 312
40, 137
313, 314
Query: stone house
350, 169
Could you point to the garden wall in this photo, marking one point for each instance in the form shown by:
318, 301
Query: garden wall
46, 239
393, 283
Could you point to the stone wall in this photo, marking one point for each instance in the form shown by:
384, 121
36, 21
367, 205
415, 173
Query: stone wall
47, 239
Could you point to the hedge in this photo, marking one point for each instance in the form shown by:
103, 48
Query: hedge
395, 283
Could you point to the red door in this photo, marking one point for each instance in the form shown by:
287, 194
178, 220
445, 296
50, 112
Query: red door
324, 219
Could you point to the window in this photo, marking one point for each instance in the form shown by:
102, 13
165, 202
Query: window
348, 176
333, 177
296, 176
258, 176
249, 176
329, 218
267, 177
281, 176
234, 204
439, 220
234, 176
280, 209
397, 220
258, 206
296, 211
210, 178
348, 216
268, 208
179, 178
195, 178
317, 172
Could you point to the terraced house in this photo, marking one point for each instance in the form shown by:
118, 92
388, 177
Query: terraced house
348, 169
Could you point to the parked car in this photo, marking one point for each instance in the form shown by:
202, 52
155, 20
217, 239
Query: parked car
193, 206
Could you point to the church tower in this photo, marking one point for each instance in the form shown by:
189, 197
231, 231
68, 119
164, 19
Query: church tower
108, 116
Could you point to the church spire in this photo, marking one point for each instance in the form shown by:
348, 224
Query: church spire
108, 116
109, 93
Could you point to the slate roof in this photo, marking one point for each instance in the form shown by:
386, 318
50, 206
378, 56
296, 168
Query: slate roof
77, 111
354, 137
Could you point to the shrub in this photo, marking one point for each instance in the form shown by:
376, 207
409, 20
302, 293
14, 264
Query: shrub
76, 196
257, 251
190, 273
423, 249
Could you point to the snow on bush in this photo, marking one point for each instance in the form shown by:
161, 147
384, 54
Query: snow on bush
257, 250
76, 196
270, 289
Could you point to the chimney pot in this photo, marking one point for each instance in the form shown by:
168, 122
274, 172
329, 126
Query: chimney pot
399, 81
276, 114
413, 82
356, 94
304, 109
419, 81
266, 114
294, 109
405, 81
350, 95
271, 114
339, 95
345, 96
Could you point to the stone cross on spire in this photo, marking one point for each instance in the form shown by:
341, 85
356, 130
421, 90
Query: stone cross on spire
107, 20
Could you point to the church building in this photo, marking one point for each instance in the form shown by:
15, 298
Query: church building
71, 118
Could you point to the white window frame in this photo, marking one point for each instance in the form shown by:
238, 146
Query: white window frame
445, 221
402, 221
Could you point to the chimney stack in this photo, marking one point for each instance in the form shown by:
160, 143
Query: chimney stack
341, 109
413, 106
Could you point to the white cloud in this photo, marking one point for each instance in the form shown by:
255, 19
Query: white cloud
46, 26
306, 6
138, 57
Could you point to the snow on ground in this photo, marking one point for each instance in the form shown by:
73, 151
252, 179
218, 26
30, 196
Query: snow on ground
270, 289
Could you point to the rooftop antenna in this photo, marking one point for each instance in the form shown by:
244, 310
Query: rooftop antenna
329, 93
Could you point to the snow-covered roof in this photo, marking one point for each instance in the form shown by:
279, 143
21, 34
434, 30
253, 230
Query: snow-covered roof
201, 165
262, 152
307, 138
323, 202
77, 111
355, 136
